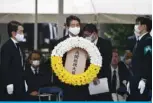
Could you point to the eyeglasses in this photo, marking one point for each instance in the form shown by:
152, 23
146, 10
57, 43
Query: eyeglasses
86, 33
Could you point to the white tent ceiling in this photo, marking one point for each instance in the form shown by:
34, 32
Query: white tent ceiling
86, 18
109, 11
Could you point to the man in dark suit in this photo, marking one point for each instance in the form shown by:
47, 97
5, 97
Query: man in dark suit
37, 75
141, 81
12, 64
90, 32
71, 93
117, 75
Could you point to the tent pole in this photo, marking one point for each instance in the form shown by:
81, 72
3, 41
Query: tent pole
36, 26
60, 22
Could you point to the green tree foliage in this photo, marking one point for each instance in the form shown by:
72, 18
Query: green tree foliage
118, 33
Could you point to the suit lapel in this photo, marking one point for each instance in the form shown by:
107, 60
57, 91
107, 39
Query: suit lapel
17, 51
144, 37
109, 77
120, 74
13, 45
99, 43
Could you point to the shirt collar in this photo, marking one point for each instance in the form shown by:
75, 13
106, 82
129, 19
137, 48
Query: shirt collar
95, 42
33, 69
66, 32
140, 37
72, 36
112, 69
14, 41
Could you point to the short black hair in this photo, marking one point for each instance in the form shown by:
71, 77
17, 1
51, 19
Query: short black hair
70, 18
13, 26
90, 28
145, 20
34, 51
114, 50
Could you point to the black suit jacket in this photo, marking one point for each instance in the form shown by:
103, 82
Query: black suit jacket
55, 79
42, 79
131, 43
105, 49
106, 73
123, 73
142, 69
62, 39
12, 71
142, 61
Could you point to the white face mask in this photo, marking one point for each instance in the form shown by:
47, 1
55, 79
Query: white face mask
20, 37
91, 38
136, 34
128, 61
74, 30
136, 29
36, 62
24, 40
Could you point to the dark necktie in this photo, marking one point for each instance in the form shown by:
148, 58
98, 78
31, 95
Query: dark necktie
36, 71
135, 47
18, 47
114, 82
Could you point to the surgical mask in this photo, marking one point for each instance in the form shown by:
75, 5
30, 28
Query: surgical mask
136, 29
74, 30
36, 62
128, 61
91, 38
20, 37
136, 34
24, 40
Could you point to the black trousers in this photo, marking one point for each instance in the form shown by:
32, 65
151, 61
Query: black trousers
100, 97
135, 92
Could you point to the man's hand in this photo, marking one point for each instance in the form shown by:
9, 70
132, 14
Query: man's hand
34, 93
142, 86
96, 81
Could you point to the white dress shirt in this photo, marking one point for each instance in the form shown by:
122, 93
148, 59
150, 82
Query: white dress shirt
95, 42
115, 96
142, 36
33, 70
117, 76
14, 41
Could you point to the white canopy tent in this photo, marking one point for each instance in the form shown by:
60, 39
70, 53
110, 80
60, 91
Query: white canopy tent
109, 11
55, 11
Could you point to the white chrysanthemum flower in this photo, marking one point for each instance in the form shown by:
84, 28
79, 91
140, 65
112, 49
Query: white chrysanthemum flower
73, 42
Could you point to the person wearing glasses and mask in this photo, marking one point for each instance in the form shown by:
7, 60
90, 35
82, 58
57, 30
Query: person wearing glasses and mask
37, 75
12, 64
90, 32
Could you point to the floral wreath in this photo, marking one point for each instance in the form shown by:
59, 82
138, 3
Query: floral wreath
76, 79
